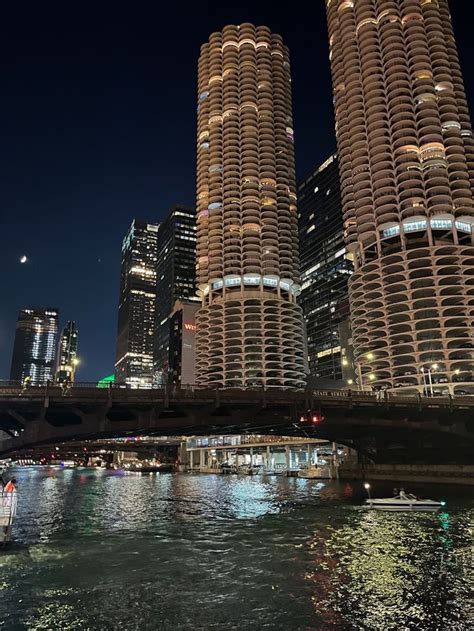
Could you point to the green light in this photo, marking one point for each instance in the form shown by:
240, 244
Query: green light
443, 503
104, 383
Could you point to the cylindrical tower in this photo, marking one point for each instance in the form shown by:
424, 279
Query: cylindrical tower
249, 329
407, 167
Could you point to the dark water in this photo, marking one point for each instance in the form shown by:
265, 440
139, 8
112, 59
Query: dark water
97, 550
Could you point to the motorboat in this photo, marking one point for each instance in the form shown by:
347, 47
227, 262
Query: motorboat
403, 502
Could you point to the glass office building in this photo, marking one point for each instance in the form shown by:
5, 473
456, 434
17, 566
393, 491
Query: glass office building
325, 268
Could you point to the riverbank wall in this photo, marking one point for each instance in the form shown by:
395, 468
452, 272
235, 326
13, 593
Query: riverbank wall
441, 474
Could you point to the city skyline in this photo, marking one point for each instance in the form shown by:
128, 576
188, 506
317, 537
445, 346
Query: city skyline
60, 270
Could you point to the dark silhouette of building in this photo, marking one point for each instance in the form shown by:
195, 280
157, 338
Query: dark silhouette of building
136, 315
67, 356
34, 350
175, 279
325, 269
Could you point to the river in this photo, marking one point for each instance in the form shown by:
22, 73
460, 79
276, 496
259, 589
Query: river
100, 550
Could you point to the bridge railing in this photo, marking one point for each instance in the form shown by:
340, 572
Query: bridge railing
122, 392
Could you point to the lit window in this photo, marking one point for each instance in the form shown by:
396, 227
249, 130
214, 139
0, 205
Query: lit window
414, 226
391, 232
441, 224
463, 226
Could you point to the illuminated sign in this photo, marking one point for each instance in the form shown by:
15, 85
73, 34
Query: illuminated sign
189, 327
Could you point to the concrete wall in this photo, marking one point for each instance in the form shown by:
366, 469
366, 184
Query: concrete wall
444, 474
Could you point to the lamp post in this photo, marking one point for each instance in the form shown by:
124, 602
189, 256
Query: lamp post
429, 372
370, 357
367, 488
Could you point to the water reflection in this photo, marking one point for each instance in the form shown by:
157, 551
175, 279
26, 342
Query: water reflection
387, 571
102, 551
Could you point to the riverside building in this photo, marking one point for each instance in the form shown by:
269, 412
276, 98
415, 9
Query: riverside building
175, 281
249, 327
325, 269
136, 315
405, 149
34, 350
67, 355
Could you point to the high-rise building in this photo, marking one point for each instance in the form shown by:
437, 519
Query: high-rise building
405, 150
249, 328
175, 276
325, 268
182, 344
136, 315
67, 355
34, 350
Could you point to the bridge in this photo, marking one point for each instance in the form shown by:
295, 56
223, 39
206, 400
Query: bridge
396, 429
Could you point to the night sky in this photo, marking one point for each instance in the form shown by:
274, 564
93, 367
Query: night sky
98, 118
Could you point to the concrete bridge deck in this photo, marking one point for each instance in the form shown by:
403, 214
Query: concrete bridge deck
397, 424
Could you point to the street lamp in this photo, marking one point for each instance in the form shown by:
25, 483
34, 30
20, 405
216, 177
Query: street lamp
429, 372
367, 488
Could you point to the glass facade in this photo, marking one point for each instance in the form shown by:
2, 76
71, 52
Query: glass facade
136, 315
67, 357
325, 268
176, 278
34, 350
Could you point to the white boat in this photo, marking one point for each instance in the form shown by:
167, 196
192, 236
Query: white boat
403, 502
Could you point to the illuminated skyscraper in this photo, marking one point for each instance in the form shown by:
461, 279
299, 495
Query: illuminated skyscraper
406, 164
175, 279
325, 269
34, 351
249, 328
67, 357
136, 316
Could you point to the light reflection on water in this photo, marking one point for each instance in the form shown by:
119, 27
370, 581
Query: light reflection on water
96, 550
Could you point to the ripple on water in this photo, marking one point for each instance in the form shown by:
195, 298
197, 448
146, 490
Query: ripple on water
95, 551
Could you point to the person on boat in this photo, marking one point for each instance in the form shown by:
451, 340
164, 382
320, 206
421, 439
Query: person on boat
403, 495
395, 491
10, 486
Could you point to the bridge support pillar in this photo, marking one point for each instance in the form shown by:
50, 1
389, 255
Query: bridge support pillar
308, 454
287, 459
191, 459
268, 461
